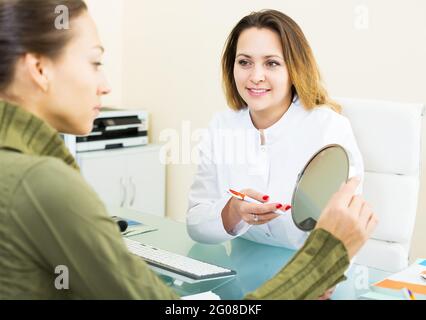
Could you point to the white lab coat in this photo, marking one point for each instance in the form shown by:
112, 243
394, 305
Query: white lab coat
231, 156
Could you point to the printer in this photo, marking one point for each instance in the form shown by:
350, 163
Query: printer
113, 128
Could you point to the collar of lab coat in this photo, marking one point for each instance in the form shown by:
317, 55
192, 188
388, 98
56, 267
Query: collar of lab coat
276, 131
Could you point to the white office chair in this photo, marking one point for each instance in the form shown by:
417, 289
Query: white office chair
389, 137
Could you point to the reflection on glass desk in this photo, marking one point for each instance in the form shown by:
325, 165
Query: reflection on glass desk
254, 263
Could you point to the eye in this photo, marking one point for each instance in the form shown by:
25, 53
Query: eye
244, 63
272, 63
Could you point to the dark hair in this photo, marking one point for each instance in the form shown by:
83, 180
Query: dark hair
28, 26
298, 56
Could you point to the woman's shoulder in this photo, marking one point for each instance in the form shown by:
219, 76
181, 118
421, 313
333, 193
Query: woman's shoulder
52, 183
39, 172
20, 165
54, 175
36, 174
229, 118
326, 115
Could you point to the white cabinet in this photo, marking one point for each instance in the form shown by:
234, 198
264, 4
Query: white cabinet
127, 177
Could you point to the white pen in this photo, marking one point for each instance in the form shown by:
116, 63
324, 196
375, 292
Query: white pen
246, 198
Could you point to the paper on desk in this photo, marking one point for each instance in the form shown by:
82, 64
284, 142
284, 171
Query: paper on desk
409, 278
208, 295
378, 296
138, 230
136, 227
411, 275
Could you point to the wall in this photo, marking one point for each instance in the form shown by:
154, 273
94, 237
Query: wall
108, 15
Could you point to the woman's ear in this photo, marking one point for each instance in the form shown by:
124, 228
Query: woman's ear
38, 69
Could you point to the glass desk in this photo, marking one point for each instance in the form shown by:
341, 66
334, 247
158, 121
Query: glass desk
254, 263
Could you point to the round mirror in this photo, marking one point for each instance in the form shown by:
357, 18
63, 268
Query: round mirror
321, 177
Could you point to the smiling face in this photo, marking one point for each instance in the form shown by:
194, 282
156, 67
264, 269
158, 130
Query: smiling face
260, 72
76, 82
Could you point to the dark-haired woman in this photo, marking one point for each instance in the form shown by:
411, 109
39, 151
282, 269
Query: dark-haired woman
50, 219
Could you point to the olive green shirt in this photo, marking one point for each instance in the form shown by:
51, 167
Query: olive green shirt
50, 217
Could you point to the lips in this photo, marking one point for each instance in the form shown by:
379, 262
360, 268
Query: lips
258, 91
97, 110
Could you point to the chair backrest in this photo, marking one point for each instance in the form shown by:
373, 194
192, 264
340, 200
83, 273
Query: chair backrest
389, 138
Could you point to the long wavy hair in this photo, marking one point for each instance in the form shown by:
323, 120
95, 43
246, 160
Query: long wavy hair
302, 67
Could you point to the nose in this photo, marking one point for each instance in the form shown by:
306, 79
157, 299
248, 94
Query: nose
258, 75
104, 87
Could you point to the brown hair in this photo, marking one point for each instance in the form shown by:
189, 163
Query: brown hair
303, 70
28, 26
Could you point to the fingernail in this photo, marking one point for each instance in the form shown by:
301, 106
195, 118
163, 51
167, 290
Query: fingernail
265, 198
279, 205
287, 207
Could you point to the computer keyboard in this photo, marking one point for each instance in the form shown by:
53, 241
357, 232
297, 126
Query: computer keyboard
176, 263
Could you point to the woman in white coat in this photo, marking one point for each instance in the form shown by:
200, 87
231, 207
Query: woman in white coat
280, 116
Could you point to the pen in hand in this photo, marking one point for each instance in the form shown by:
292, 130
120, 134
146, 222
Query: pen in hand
246, 198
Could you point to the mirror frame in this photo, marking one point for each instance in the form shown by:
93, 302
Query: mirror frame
300, 175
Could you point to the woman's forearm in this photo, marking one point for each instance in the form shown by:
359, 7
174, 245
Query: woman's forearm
319, 265
229, 220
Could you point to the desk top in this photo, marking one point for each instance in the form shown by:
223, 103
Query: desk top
254, 263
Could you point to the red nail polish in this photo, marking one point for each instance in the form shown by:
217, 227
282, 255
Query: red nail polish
279, 205
265, 198
287, 207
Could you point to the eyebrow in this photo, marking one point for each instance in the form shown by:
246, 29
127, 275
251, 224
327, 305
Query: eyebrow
266, 57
